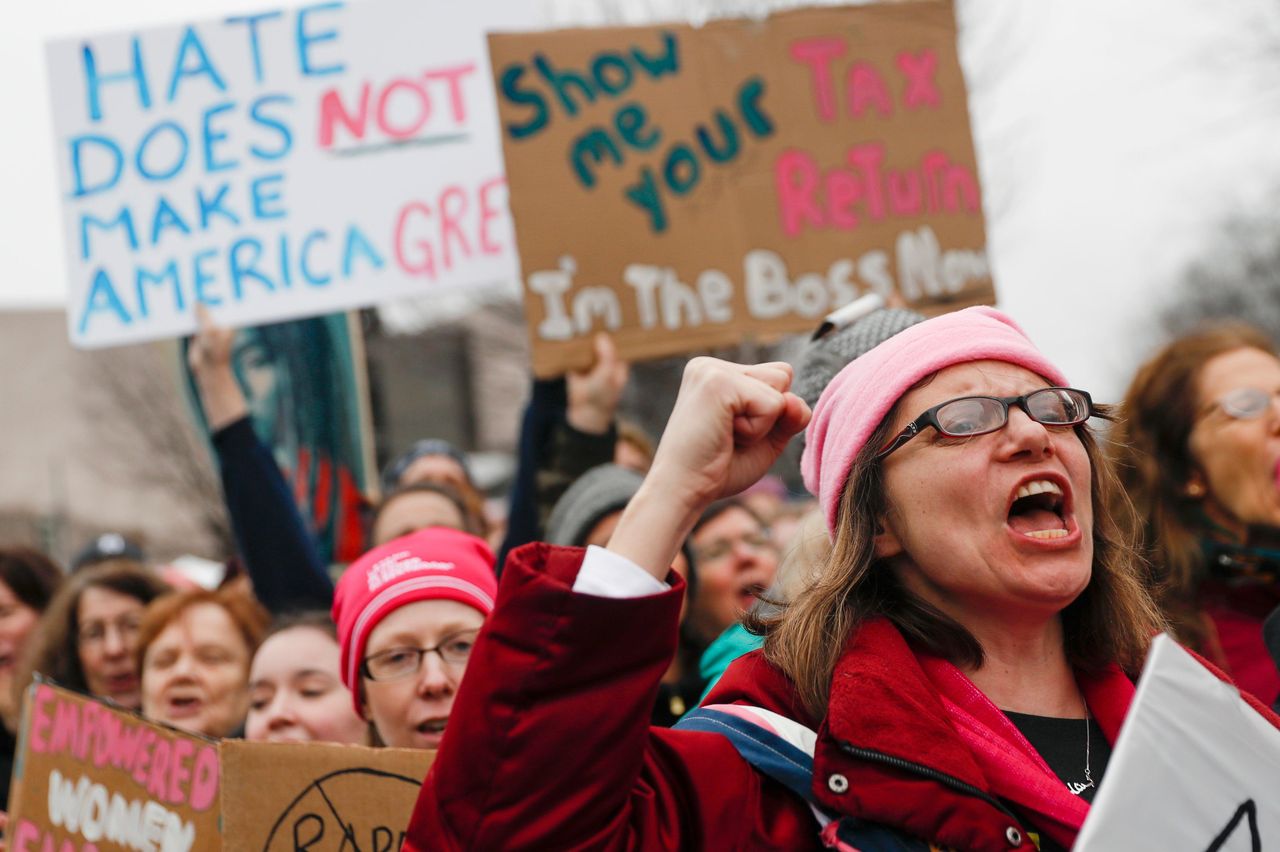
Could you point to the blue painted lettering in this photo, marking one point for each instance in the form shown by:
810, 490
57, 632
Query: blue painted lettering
251, 24
143, 278
267, 195
358, 245
166, 217
202, 277
189, 48
304, 256
179, 155
105, 144
212, 138
102, 298
215, 206
242, 268
279, 126
307, 39
94, 79
123, 218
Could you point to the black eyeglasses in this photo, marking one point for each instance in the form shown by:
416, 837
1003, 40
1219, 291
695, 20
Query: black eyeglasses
978, 415
401, 662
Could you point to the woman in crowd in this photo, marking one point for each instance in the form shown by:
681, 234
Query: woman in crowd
194, 649
88, 638
974, 616
408, 613
28, 581
295, 685
421, 505
736, 559
1199, 453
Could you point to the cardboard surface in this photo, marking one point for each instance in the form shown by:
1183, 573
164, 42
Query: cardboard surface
1195, 767
295, 162
686, 188
280, 797
88, 776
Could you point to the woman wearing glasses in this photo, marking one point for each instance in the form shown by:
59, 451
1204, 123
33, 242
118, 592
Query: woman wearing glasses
408, 612
1199, 452
953, 674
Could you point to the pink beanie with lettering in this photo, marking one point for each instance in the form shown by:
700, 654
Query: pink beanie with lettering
431, 564
861, 395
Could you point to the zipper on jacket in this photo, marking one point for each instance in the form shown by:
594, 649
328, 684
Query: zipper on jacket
929, 772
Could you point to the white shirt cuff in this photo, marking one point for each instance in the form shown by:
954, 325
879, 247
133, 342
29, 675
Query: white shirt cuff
605, 574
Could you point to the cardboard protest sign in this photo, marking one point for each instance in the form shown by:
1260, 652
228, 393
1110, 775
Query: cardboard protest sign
283, 797
686, 188
92, 777
290, 163
1195, 767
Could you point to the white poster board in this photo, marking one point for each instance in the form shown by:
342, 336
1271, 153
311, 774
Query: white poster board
295, 162
1195, 768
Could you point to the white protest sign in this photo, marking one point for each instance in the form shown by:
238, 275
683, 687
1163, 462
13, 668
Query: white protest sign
1195, 768
295, 162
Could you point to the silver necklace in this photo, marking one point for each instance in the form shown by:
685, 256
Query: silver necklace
1088, 764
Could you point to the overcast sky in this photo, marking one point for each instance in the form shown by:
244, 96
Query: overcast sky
1112, 137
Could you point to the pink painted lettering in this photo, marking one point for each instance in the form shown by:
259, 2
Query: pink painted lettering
818, 53
918, 71
41, 720
180, 769
204, 779
864, 87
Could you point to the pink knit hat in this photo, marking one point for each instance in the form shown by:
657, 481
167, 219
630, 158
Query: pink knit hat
861, 394
435, 563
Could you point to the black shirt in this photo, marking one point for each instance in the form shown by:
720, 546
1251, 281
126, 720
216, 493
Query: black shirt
1063, 744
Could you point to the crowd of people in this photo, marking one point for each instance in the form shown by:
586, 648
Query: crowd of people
942, 638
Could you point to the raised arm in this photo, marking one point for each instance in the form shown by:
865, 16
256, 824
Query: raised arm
278, 549
548, 744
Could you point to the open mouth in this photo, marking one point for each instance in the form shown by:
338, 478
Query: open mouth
432, 727
1039, 510
748, 595
184, 706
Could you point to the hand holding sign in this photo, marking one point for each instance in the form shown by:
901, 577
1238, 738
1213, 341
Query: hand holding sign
594, 393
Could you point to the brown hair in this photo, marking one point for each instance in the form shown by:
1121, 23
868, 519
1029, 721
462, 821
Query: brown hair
634, 435
1154, 461
472, 512
55, 648
250, 617
1112, 620
30, 575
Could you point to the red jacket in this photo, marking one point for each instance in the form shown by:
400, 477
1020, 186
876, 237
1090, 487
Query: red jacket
548, 745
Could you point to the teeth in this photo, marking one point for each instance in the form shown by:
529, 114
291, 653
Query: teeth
1037, 486
1047, 534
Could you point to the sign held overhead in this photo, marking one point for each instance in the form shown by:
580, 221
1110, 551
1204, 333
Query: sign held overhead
686, 188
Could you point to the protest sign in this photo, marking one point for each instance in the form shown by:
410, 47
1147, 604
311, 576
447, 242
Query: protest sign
686, 188
308, 399
290, 163
1195, 767
321, 797
92, 777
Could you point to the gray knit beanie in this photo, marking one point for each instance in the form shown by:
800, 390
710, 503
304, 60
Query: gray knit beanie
829, 353
601, 490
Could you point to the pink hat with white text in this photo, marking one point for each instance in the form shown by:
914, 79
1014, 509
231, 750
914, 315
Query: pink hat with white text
432, 564
863, 393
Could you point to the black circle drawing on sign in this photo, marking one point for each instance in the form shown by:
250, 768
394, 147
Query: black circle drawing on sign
377, 778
